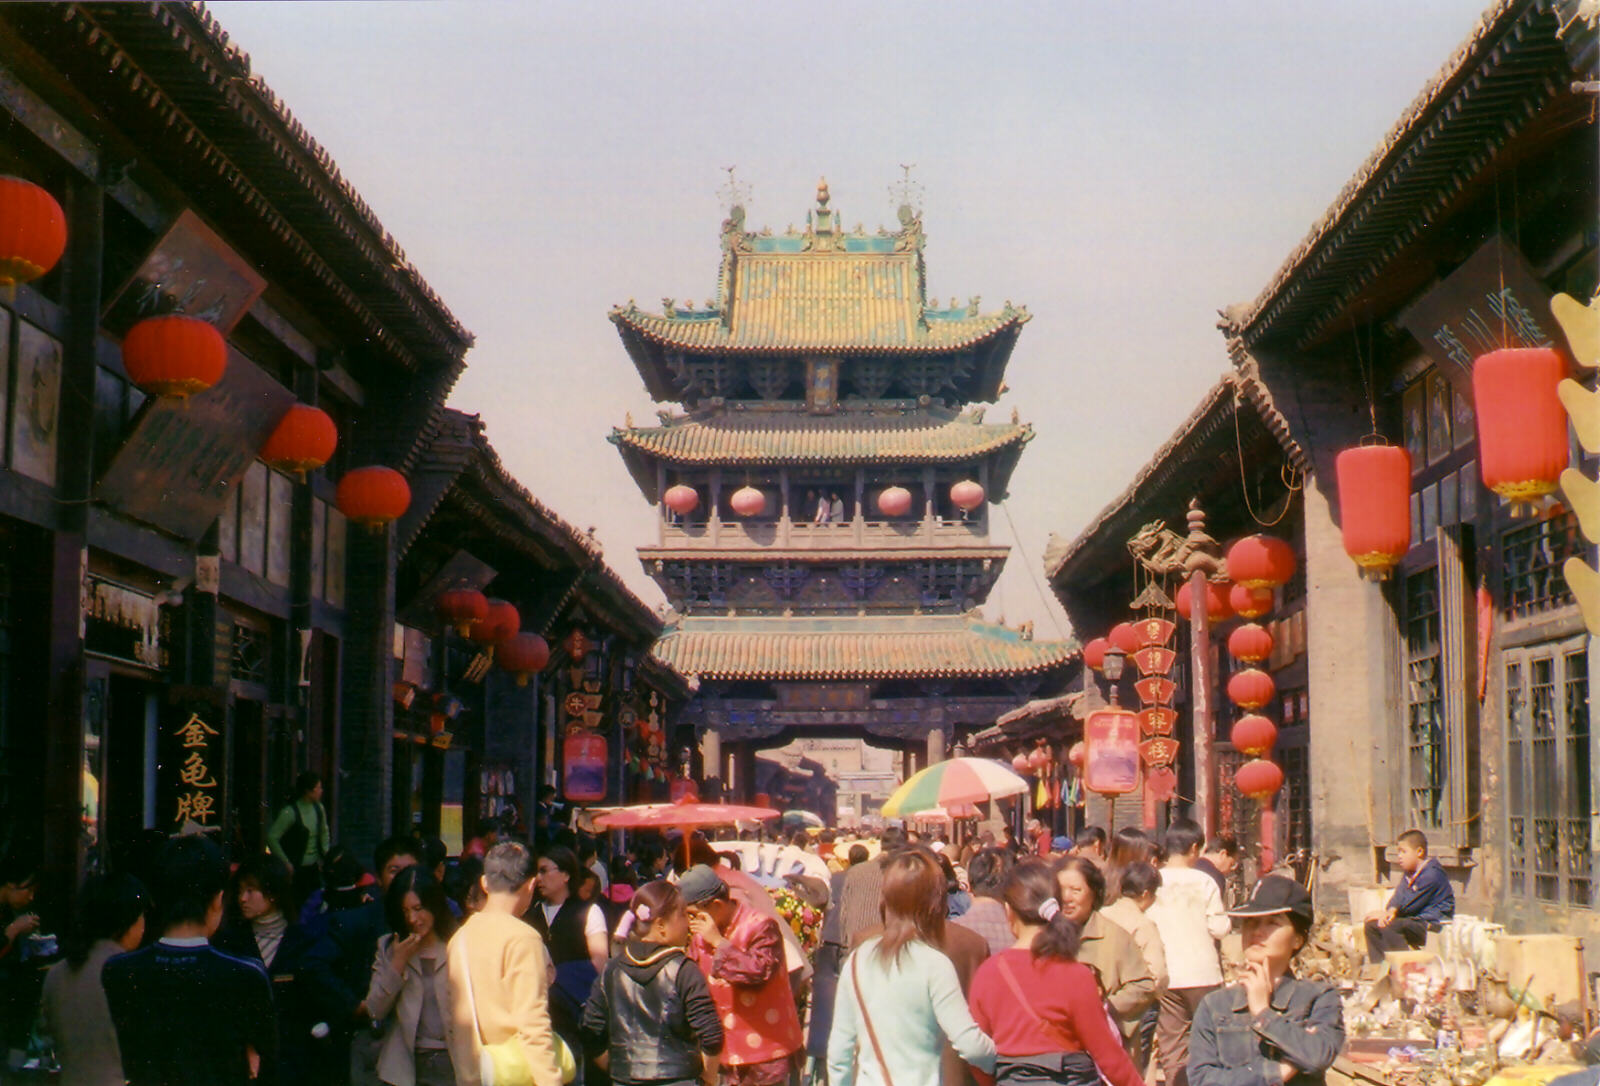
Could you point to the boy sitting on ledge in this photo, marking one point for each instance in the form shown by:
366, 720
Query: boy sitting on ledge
1422, 902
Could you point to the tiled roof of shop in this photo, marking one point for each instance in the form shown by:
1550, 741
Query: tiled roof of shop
959, 649
785, 439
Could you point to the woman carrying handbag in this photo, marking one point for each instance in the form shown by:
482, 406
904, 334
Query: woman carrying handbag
410, 990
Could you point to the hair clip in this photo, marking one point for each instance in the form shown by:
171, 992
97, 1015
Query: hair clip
643, 913
1048, 909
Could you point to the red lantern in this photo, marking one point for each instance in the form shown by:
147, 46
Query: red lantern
303, 441
681, 499
894, 501
1251, 689
1123, 636
1375, 506
1217, 607
1249, 602
33, 231
1250, 643
1038, 759
373, 496
463, 607
1260, 561
1259, 779
174, 355
577, 645
747, 501
1094, 653
967, 495
501, 623
1522, 427
523, 654
1020, 764
1075, 754
1253, 735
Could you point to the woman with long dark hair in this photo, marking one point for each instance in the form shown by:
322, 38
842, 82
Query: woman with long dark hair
110, 921
899, 997
1042, 1005
410, 979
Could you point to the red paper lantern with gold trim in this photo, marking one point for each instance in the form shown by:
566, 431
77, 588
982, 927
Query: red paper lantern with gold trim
523, 654
1217, 607
1522, 427
462, 607
1260, 561
1259, 779
1249, 602
1094, 653
303, 440
501, 623
681, 499
1375, 506
33, 231
1253, 734
1075, 754
373, 496
1250, 643
1123, 636
174, 355
894, 501
1251, 689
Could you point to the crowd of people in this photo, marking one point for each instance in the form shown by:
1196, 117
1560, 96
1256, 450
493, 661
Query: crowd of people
1032, 960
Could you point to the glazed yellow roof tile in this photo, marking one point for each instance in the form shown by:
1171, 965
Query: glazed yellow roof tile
779, 439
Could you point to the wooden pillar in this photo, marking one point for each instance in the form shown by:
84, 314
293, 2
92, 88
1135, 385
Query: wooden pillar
935, 746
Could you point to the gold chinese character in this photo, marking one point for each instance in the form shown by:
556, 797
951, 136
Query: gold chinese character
194, 731
196, 805
194, 772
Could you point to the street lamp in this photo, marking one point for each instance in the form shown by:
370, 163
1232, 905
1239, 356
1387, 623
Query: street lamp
1111, 668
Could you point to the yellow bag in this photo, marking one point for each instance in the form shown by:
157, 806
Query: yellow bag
506, 1063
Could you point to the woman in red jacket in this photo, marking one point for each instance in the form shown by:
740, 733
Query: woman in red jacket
1043, 1008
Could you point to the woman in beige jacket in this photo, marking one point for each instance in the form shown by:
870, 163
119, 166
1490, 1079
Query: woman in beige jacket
410, 991
1125, 979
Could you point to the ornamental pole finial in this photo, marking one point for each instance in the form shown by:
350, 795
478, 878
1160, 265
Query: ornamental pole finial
822, 193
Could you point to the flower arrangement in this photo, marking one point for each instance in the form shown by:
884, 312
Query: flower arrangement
804, 920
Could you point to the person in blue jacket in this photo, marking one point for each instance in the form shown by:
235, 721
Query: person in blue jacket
1422, 901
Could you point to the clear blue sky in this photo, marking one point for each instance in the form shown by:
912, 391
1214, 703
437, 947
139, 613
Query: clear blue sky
1123, 169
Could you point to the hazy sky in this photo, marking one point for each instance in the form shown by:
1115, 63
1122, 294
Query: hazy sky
1123, 169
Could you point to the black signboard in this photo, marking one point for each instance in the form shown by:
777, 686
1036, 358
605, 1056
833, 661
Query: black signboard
191, 778
190, 271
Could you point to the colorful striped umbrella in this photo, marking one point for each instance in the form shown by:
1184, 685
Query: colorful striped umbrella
948, 783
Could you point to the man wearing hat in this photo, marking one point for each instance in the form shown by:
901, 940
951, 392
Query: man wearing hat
1272, 1026
741, 953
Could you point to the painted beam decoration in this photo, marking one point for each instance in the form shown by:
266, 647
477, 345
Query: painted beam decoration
1580, 323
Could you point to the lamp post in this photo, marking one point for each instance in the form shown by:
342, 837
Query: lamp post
1112, 670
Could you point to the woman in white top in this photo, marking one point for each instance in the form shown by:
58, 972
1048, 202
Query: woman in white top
899, 997
410, 978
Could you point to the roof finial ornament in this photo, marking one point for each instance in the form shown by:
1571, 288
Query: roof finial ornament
907, 195
822, 193
734, 195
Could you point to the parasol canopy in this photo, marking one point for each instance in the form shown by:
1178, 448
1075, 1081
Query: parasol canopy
946, 814
663, 816
952, 782
805, 818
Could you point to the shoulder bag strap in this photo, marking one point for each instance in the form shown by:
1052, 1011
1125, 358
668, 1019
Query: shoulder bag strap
866, 1020
1052, 1028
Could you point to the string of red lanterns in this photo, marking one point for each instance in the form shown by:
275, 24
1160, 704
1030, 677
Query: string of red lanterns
462, 607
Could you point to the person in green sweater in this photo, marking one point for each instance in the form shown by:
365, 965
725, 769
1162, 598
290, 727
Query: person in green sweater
299, 835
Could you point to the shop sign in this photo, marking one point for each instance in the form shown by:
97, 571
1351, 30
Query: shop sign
123, 623
583, 767
1158, 720
1159, 751
1155, 632
192, 751
1111, 752
1156, 690
1154, 661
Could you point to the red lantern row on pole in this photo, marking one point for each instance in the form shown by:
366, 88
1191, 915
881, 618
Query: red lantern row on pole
1251, 643
1217, 606
1249, 602
33, 231
1375, 506
1260, 780
1522, 427
462, 607
1260, 561
1251, 689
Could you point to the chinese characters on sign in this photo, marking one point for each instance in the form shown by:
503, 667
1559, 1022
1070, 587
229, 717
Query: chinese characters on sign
196, 796
1111, 758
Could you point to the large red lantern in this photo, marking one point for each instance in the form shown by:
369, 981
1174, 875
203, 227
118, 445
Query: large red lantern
1375, 506
463, 607
1020, 764
1075, 754
1250, 643
1217, 607
523, 654
747, 501
1249, 602
1094, 653
1123, 636
174, 355
373, 496
1259, 779
1260, 561
500, 624
1522, 427
1251, 689
894, 501
1038, 759
303, 440
967, 495
33, 231
681, 499
1253, 735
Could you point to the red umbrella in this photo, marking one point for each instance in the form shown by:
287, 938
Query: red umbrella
683, 815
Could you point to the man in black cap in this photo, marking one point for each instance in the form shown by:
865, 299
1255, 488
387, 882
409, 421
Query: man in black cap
1272, 1026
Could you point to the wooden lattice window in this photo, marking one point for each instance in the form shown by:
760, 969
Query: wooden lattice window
1426, 745
1531, 556
1549, 789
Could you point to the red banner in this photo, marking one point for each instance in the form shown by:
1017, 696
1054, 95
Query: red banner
1156, 690
1158, 720
1154, 661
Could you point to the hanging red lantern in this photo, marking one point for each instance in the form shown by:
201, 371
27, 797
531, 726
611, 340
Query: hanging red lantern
967, 495
303, 440
1259, 779
33, 231
174, 355
1094, 653
1260, 561
462, 607
1254, 735
522, 654
1250, 643
681, 499
1020, 764
1075, 754
1522, 427
1123, 636
1038, 759
747, 501
1251, 689
1217, 607
1249, 602
373, 496
576, 644
500, 623
1375, 506
894, 501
